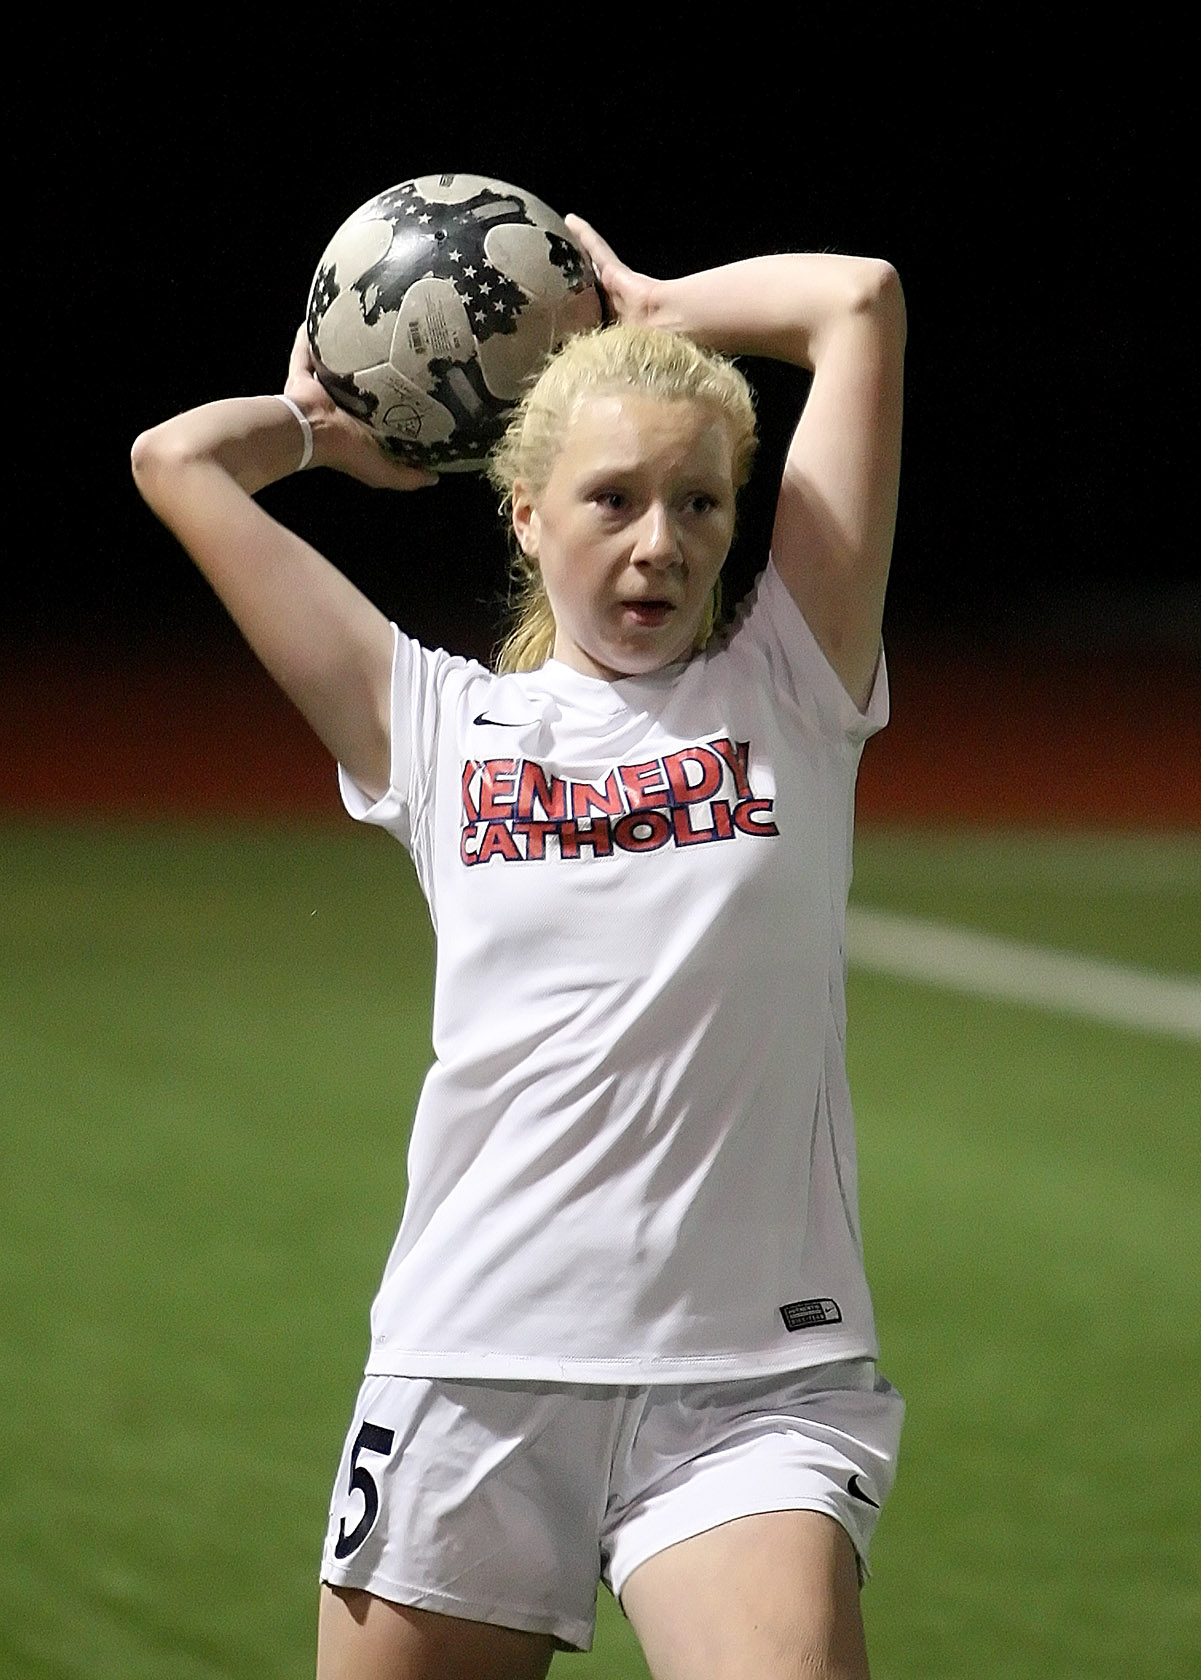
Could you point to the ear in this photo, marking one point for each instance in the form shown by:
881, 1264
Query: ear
526, 525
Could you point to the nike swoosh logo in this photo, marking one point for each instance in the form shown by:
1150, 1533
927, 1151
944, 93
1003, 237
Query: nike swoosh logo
500, 723
856, 1492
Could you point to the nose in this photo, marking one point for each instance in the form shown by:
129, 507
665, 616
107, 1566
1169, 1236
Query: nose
655, 539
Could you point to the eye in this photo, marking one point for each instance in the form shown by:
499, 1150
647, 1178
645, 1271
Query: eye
700, 502
611, 501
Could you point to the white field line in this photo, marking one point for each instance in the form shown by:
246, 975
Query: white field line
938, 955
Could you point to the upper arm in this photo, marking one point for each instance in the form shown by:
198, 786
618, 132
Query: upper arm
836, 513
323, 641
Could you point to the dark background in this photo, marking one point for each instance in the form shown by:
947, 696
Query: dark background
183, 180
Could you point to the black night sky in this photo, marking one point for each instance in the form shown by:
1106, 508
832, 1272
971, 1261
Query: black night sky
182, 188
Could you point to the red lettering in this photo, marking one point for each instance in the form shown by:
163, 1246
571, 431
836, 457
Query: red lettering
549, 791
496, 788
497, 838
687, 835
746, 817
685, 791
737, 755
470, 808
642, 831
586, 797
534, 834
644, 785
596, 833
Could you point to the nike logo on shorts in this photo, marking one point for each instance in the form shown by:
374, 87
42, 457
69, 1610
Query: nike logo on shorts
499, 723
856, 1492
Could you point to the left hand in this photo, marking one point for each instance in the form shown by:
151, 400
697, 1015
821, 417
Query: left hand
339, 440
630, 294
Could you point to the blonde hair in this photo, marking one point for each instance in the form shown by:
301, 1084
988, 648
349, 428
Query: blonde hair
663, 365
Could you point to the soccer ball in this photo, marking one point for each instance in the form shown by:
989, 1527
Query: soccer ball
435, 302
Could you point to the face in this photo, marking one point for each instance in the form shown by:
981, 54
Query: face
631, 531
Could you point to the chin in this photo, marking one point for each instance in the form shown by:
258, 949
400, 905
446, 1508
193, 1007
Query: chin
629, 662
636, 656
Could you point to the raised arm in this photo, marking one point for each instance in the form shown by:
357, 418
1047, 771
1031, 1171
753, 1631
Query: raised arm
843, 318
321, 639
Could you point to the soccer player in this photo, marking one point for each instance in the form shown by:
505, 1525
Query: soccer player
624, 1332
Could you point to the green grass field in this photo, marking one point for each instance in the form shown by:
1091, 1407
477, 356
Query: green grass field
211, 1040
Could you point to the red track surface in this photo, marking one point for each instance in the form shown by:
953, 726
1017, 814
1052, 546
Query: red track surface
987, 738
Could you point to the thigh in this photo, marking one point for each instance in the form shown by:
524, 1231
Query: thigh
768, 1597
361, 1637
822, 1441
477, 1502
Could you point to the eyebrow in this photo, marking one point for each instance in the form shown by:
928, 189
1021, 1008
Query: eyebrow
626, 469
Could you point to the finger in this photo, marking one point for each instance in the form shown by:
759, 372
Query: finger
387, 473
382, 474
418, 479
599, 253
300, 361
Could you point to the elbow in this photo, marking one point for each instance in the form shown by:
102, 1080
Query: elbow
156, 453
143, 464
146, 454
878, 293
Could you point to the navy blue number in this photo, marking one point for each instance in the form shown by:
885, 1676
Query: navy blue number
372, 1437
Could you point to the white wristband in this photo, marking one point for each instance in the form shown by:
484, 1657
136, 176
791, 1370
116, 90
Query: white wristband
307, 453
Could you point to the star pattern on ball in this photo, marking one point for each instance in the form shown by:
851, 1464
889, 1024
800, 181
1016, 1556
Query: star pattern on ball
444, 242
426, 392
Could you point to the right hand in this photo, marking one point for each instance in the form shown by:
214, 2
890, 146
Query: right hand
630, 294
339, 440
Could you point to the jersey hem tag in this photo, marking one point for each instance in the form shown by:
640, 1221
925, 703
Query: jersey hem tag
807, 1315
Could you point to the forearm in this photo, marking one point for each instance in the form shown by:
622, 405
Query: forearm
254, 440
325, 644
199, 472
784, 307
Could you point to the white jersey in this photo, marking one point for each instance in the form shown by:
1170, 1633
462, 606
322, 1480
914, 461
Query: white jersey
633, 1157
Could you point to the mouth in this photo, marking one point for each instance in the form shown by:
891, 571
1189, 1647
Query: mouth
647, 615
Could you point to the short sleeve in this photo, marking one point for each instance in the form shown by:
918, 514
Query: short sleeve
418, 678
772, 623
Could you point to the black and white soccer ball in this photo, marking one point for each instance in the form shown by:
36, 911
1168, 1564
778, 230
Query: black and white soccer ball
435, 302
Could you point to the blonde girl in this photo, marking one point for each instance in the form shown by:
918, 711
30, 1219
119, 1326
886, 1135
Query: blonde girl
624, 1333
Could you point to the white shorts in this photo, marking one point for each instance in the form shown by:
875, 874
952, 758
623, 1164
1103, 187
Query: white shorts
507, 1502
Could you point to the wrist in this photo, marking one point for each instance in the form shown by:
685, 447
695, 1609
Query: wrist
663, 309
306, 430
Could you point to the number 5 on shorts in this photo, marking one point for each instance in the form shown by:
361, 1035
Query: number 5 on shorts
373, 1438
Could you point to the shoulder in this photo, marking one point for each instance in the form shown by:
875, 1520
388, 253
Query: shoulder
414, 665
771, 644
